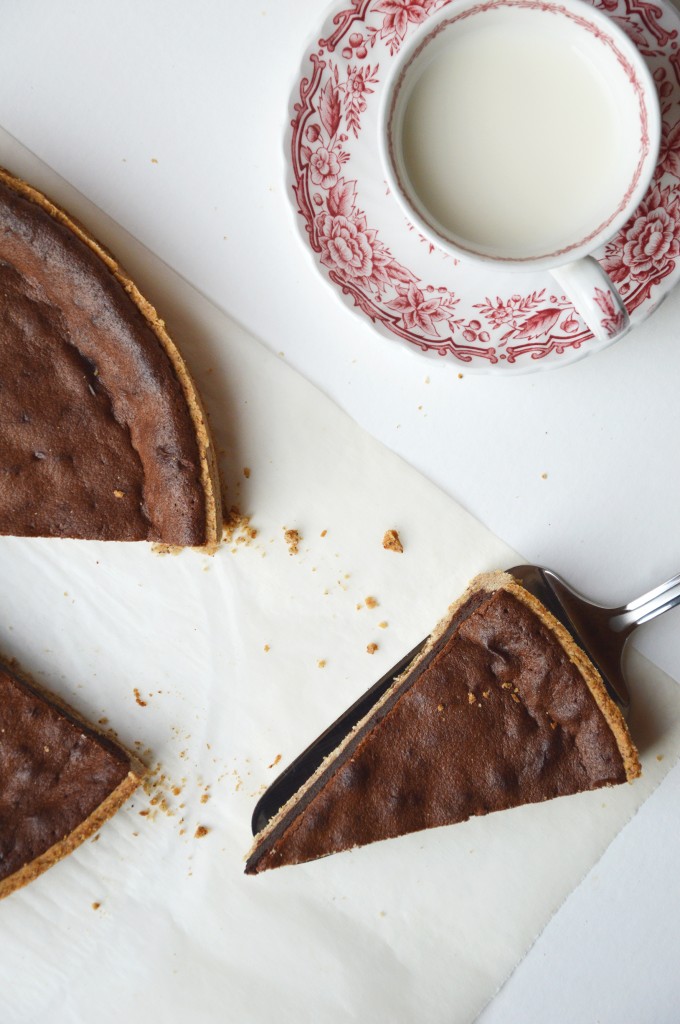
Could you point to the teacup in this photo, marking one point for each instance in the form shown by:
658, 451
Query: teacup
523, 134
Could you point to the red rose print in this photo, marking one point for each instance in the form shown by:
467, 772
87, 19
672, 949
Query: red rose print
325, 167
650, 241
344, 246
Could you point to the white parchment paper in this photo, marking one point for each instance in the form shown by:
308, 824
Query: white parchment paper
210, 668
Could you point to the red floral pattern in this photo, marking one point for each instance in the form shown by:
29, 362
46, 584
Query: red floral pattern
325, 168
649, 244
399, 16
339, 87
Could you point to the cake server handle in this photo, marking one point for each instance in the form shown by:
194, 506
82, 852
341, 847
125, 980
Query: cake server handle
655, 602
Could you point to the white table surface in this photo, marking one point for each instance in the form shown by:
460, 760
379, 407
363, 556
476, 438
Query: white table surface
169, 116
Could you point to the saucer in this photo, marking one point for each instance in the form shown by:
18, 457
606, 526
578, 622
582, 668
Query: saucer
383, 268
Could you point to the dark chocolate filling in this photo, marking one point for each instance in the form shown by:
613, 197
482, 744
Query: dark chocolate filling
54, 772
96, 438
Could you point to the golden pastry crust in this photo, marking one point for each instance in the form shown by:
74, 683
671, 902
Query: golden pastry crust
69, 843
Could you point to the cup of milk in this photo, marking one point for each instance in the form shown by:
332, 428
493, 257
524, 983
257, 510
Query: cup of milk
523, 134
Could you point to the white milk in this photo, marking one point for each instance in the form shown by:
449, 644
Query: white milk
512, 139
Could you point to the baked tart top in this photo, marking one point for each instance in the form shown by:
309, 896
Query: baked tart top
102, 432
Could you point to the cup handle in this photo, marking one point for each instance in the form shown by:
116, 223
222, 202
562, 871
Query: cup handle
595, 297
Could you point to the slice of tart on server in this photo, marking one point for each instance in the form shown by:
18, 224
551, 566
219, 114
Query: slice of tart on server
500, 708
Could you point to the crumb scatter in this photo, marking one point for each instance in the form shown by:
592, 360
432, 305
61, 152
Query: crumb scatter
236, 528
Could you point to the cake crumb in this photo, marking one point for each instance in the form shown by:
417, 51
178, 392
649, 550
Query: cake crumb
383, 625
659, 757
292, 539
267, 648
246, 472
321, 663
201, 831
275, 761
138, 698
544, 476
485, 694
96, 905
440, 707
323, 533
371, 602
471, 697
515, 698
237, 525
371, 648
392, 541
205, 797
119, 494
102, 721
154, 160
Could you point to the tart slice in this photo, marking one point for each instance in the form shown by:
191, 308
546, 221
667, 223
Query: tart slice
102, 432
60, 780
500, 708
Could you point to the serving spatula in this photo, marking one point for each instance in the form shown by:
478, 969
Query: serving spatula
602, 633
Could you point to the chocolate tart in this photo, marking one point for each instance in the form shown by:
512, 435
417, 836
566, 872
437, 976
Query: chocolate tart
102, 432
60, 780
500, 708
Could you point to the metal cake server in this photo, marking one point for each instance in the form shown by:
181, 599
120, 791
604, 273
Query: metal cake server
601, 632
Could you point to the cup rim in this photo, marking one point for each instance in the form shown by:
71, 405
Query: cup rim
581, 12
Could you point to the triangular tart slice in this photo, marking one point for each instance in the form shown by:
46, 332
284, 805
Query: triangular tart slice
60, 780
500, 708
102, 432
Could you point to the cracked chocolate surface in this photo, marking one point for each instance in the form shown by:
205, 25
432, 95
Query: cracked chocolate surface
96, 440
54, 773
496, 716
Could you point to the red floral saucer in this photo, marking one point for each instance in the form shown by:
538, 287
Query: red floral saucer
407, 287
